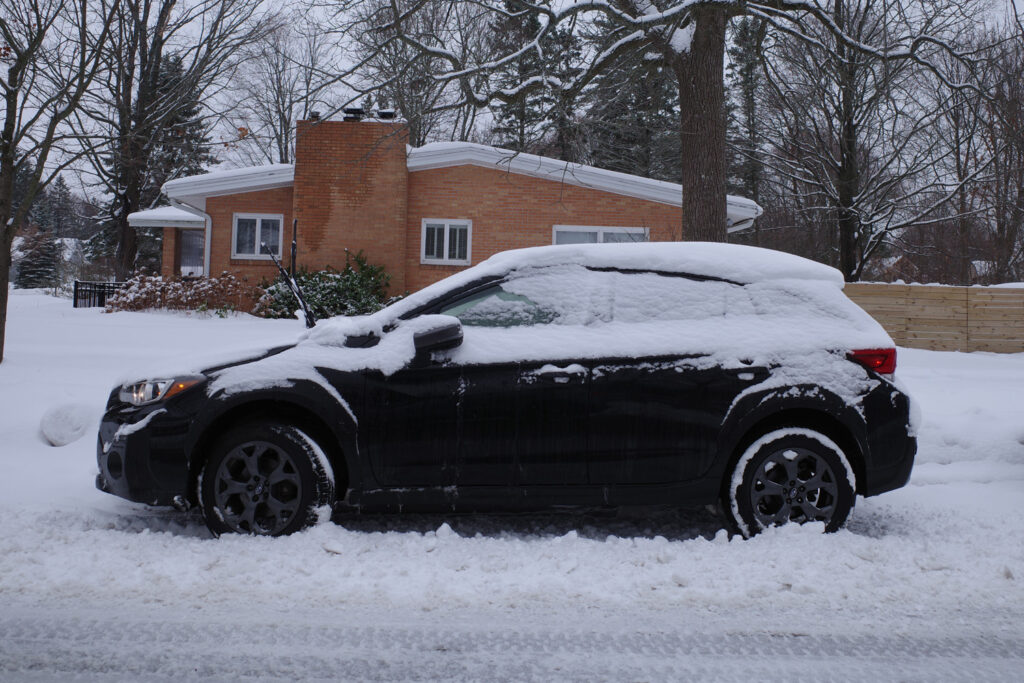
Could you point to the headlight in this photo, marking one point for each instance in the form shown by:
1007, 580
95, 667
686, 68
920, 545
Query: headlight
153, 390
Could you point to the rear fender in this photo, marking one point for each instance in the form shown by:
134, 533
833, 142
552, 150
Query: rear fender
809, 406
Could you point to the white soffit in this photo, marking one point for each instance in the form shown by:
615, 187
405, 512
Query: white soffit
445, 154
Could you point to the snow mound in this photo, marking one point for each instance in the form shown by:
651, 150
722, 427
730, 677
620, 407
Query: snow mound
66, 423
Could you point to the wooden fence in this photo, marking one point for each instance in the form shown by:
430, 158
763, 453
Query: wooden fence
946, 318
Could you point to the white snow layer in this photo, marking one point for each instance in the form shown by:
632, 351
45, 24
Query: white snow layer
563, 310
66, 423
937, 559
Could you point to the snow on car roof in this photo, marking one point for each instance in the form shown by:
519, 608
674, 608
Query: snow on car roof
733, 262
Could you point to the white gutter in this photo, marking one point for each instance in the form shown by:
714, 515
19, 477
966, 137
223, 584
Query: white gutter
208, 232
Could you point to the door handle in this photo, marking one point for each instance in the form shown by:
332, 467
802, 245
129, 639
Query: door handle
553, 373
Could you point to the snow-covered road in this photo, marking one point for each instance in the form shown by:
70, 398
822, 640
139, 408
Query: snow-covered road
925, 582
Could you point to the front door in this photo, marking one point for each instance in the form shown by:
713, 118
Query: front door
191, 253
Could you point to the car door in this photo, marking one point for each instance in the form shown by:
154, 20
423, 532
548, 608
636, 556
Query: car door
655, 416
410, 425
523, 395
651, 420
553, 423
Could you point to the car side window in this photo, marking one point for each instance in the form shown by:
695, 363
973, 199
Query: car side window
559, 295
643, 297
496, 307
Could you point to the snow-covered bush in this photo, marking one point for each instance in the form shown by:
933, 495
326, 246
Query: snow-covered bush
357, 289
214, 294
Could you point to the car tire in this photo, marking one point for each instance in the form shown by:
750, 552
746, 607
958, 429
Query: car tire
264, 479
790, 475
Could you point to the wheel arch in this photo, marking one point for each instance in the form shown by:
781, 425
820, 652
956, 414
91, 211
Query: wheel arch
817, 418
268, 408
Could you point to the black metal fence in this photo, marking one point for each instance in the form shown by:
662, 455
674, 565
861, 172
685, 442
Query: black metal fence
92, 294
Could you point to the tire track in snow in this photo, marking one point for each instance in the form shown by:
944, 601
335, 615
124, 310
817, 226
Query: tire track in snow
50, 646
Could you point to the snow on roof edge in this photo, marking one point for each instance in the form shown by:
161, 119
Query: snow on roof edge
165, 217
230, 181
445, 154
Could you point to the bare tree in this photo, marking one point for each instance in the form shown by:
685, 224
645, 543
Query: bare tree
852, 136
50, 54
401, 77
687, 37
1002, 137
290, 73
131, 107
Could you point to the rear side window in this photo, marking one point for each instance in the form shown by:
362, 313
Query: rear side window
644, 297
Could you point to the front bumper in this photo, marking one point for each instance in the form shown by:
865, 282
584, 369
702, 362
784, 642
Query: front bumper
141, 455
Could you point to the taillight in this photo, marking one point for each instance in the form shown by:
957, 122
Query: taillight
882, 361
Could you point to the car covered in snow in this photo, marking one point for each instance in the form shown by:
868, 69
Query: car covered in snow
605, 375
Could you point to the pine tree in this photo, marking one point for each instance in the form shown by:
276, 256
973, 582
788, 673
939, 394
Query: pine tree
745, 80
517, 123
40, 264
181, 147
632, 123
541, 121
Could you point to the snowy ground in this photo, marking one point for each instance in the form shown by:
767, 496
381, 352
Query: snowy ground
925, 583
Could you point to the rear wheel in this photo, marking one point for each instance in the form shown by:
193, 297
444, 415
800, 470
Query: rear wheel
790, 475
265, 480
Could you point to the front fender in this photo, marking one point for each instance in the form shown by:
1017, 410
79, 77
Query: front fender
301, 400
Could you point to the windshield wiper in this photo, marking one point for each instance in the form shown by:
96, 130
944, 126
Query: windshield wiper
292, 284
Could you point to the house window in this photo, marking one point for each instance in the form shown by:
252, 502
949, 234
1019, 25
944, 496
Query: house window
250, 230
587, 234
446, 241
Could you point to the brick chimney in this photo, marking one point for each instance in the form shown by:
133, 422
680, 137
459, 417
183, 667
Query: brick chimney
351, 191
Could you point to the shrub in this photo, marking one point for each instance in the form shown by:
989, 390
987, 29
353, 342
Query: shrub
354, 290
215, 294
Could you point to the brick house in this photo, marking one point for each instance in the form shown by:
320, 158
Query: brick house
422, 212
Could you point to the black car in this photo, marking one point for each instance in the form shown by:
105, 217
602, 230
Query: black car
569, 376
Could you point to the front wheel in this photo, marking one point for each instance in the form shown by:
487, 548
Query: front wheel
265, 480
790, 475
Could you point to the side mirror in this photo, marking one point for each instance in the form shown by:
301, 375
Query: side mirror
446, 335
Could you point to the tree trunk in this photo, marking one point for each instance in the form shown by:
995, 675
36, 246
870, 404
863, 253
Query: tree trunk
700, 73
848, 180
6, 235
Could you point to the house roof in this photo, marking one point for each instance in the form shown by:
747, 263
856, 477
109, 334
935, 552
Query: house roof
195, 189
165, 217
445, 154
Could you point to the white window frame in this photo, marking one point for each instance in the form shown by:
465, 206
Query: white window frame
259, 229
600, 230
447, 222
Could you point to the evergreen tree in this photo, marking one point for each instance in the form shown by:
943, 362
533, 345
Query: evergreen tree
517, 123
744, 135
537, 121
632, 123
22, 178
39, 265
180, 147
